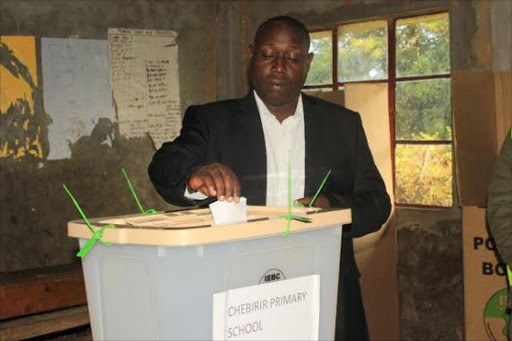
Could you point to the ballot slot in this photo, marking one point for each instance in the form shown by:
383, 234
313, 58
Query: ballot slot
199, 218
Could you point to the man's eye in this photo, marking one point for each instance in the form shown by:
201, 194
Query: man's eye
292, 59
268, 56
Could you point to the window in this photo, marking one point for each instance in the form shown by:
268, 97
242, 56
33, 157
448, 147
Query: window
321, 70
362, 52
411, 55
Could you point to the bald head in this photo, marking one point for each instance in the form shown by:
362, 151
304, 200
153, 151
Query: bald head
282, 20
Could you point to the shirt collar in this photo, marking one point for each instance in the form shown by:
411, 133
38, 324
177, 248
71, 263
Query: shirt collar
263, 110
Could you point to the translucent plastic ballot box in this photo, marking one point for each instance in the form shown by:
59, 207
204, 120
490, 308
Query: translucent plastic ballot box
178, 276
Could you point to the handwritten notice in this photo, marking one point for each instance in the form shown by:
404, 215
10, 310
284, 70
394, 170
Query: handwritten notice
145, 82
282, 310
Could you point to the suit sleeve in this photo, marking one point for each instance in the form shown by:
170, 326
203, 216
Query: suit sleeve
369, 200
175, 161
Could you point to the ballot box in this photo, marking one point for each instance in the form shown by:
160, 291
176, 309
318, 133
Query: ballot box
178, 276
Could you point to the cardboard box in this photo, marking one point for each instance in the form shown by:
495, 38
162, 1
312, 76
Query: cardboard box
482, 113
485, 287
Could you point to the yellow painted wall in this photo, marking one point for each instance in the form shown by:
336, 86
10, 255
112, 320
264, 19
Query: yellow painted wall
15, 88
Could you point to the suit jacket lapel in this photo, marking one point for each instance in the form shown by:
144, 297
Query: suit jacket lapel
255, 157
313, 126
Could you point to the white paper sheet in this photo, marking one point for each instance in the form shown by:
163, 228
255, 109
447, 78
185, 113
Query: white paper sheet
224, 212
76, 90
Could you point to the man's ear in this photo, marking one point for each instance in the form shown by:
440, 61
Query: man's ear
310, 58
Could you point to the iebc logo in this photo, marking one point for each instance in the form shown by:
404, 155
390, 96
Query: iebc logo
272, 275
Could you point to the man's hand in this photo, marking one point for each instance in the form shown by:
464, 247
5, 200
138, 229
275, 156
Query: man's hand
215, 180
321, 201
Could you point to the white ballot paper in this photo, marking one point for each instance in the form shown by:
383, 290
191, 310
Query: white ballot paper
224, 212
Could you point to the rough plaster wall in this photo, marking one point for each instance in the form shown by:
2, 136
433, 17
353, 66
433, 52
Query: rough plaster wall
232, 57
501, 19
34, 208
430, 274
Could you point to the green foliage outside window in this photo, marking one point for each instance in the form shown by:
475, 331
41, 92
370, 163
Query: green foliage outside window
363, 51
424, 174
320, 71
423, 46
423, 110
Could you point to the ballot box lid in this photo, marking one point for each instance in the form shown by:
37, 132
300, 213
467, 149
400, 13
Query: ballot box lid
196, 226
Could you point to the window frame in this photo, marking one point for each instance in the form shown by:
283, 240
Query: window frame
391, 82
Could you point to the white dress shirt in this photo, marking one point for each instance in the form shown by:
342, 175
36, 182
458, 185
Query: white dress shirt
284, 143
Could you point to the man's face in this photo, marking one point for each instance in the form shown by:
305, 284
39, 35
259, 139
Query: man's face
279, 64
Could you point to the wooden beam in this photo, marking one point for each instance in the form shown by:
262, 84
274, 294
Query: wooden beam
43, 324
40, 290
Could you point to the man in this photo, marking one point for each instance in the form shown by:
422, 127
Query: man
499, 211
243, 146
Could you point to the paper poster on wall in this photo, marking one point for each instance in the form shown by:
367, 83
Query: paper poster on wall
281, 310
76, 90
145, 83
20, 119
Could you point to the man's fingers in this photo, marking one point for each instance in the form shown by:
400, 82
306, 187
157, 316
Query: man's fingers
194, 183
205, 191
210, 184
228, 187
231, 185
202, 182
216, 180
304, 201
321, 201
236, 191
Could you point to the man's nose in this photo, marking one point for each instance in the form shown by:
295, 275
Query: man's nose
279, 65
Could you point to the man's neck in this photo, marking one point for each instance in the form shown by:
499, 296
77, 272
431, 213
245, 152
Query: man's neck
282, 112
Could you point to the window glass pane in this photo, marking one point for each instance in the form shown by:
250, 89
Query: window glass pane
423, 110
320, 71
363, 51
424, 174
423, 45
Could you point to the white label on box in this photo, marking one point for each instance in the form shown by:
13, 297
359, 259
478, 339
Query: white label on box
281, 310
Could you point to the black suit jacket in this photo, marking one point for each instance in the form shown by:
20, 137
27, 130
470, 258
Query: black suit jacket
230, 132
